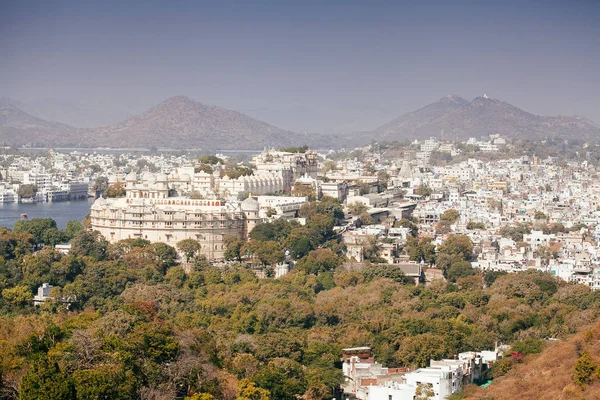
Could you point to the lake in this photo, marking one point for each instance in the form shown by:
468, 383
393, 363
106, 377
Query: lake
62, 212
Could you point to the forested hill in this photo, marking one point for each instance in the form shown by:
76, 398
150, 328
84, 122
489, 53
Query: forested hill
127, 322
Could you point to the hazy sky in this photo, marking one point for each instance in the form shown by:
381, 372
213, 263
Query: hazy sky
304, 65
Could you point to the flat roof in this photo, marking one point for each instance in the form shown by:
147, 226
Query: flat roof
357, 349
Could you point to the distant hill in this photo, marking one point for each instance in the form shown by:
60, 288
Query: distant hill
72, 113
457, 118
18, 128
178, 122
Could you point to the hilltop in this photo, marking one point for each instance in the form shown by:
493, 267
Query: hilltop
457, 118
178, 122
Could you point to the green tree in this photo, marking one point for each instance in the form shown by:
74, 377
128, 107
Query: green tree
420, 249
73, 228
318, 261
27, 191
585, 370
249, 391
459, 245
36, 227
18, 296
91, 244
404, 223
46, 381
459, 269
190, 248
269, 253
210, 159
283, 378
105, 382
302, 149
233, 247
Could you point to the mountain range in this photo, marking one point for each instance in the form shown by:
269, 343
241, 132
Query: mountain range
182, 123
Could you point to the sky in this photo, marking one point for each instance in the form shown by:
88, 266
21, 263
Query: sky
318, 66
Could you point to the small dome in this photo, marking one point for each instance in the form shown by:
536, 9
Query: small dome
161, 177
149, 177
185, 177
250, 204
131, 177
99, 204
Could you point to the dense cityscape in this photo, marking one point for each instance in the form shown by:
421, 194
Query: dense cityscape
300, 200
469, 225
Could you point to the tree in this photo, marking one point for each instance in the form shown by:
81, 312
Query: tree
459, 245
36, 227
449, 216
91, 244
204, 168
303, 190
115, 190
283, 378
418, 350
18, 296
46, 381
404, 223
383, 179
27, 191
105, 382
420, 249
73, 228
189, 247
302, 149
331, 207
318, 261
249, 391
210, 159
269, 253
54, 236
585, 370
100, 184
366, 218
357, 208
276, 230
515, 232
424, 191
233, 247
475, 225
459, 269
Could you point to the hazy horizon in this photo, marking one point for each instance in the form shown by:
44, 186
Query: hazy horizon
303, 66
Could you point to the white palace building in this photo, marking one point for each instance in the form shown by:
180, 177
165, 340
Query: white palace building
147, 212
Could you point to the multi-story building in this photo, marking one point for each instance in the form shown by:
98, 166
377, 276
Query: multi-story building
290, 166
149, 212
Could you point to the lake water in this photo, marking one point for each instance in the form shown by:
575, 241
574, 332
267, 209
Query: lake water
62, 212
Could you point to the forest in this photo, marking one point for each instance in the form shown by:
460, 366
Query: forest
126, 321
